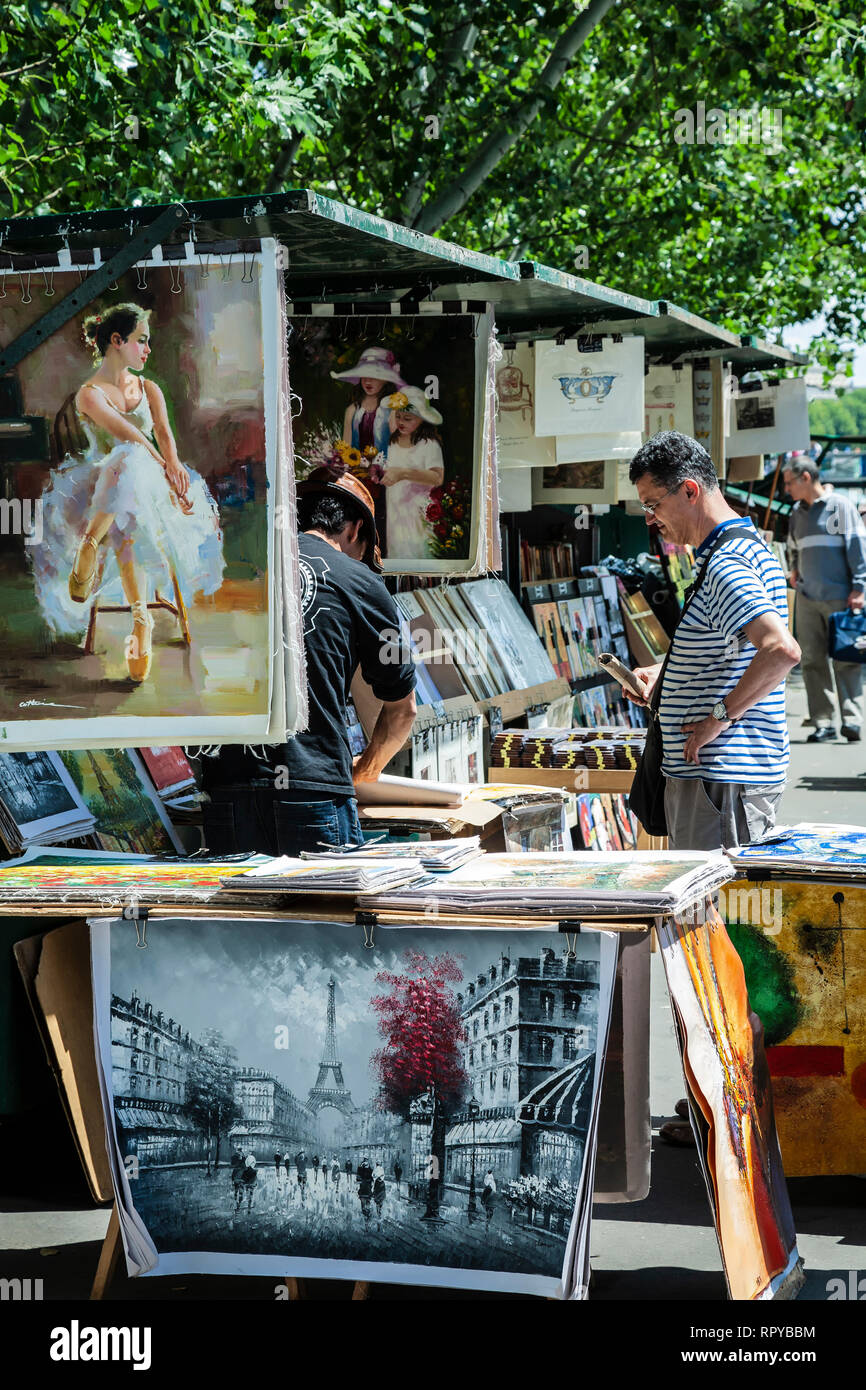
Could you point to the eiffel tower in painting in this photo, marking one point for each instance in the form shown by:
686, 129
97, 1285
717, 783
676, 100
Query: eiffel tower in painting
330, 1069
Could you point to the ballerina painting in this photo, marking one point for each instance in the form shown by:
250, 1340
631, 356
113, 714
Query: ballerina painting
126, 509
144, 608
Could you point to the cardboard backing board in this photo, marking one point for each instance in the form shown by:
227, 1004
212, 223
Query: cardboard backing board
55, 969
573, 779
622, 1170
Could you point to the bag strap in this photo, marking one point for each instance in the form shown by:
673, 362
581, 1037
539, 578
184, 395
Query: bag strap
730, 533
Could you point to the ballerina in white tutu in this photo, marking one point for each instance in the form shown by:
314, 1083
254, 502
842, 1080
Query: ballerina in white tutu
125, 504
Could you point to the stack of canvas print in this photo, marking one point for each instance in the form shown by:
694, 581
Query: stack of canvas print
148, 578
39, 802
51, 798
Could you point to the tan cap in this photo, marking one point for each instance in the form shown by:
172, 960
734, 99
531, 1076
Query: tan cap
341, 485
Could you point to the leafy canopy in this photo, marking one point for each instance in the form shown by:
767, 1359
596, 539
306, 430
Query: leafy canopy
530, 130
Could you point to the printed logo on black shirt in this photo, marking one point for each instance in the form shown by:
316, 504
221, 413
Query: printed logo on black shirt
310, 610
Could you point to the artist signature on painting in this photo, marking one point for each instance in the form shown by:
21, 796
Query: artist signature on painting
28, 704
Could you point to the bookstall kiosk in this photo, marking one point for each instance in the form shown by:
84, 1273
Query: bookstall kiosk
336, 255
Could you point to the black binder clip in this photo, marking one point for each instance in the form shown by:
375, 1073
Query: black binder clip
133, 912
571, 929
367, 920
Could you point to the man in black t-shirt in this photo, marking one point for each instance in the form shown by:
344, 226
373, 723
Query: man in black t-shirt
300, 795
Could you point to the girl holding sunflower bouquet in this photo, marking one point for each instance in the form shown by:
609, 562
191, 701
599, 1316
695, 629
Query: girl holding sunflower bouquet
366, 422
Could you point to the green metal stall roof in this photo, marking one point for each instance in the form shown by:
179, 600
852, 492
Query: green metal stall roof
339, 253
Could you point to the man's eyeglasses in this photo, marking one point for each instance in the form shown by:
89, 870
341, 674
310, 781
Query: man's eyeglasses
648, 508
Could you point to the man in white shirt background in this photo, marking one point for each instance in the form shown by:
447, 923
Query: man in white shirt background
827, 545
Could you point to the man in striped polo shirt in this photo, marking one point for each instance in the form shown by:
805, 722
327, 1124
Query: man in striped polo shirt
722, 701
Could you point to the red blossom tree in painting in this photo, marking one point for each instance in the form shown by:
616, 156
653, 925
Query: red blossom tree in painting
419, 1018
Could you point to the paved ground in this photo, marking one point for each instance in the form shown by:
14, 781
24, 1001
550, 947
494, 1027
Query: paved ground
662, 1249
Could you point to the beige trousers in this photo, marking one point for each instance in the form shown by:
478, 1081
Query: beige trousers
811, 621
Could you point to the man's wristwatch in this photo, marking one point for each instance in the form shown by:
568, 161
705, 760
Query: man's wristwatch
720, 712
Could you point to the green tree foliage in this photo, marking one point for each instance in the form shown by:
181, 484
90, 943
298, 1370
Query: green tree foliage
847, 415
529, 130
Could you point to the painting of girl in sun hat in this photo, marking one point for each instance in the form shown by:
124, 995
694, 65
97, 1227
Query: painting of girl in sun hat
414, 466
423, 471
366, 422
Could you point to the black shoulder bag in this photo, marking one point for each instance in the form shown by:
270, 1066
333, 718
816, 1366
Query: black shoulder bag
647, 798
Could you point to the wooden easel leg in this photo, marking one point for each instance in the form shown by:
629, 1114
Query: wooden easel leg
181, 610
108, 1258
90, 639
360, 1291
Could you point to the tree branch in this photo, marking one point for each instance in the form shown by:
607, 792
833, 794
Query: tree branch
454, 62
284, 163
442, 208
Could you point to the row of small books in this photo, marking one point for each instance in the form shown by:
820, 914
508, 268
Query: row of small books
479, 628
594, 748
541, 562
604, 822
116, 798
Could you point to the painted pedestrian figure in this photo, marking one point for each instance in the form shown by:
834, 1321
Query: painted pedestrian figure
488, 1196
237, 1164
398, 1171
379, 1192
249, 1178
301, 1168
365, 1188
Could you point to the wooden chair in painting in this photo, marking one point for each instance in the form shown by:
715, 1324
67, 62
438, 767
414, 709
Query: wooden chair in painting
70, 440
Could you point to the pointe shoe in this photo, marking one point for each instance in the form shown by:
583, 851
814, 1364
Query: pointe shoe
81, 578
138, 650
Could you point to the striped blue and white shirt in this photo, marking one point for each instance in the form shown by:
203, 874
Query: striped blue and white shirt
708, 657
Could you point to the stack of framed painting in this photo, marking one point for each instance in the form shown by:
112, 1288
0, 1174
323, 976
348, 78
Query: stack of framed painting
149, 580
39, 802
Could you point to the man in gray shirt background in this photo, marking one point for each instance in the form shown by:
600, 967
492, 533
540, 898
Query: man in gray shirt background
827, 543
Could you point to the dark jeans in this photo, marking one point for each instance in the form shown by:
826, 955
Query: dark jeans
259, 819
